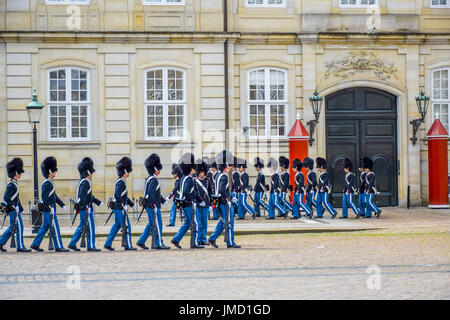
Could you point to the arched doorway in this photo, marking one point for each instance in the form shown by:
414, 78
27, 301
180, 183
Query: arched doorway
362, 122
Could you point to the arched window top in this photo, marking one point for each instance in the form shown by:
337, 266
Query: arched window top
440, 94
267, 84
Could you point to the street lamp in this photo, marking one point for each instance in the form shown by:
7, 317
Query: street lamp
34, 110
316, 104
422, 102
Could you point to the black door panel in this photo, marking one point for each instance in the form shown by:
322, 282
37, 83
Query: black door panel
362, 122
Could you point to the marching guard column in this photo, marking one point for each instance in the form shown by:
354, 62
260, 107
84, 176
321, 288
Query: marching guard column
438, 165
298, 146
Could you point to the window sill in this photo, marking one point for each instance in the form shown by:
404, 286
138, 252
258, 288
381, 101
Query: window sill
143, 144
264, 141
69, 145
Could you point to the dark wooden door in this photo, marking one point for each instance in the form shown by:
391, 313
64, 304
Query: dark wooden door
362, 122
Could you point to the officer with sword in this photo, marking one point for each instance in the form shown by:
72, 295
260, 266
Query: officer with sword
152, 204
221, 199
13, 208
120, 206
48, 205
84, 207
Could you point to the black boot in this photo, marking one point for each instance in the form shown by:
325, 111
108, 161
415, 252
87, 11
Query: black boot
213, 243
2, 249
235, 246
36, 248
143, 246
197, 247
109, 248
61, 250
175, 243
162, 248
130, 249
23, 250
94, 250
74, 248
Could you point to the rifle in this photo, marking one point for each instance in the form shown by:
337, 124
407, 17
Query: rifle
153, 228
76, 207
14, 230
84, 231
51, 232
193, 229
124, 228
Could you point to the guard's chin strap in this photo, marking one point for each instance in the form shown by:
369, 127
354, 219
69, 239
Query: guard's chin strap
126, 172
89, 173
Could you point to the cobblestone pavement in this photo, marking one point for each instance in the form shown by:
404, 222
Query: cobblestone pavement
413, 263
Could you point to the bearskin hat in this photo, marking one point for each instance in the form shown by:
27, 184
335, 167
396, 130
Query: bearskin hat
14, 167
207, 161
174, 169
348, 164
153, 164
179, 172
187, 163
272, 163
213, 163
321, 163
49, 164
308, 163
259, 163
86, 167
367, 163
225, 158
284, 162
241, 163
201, 166
123, 166
297, 164
360, 163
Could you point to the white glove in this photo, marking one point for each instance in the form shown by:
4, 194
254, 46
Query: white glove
64, 208
125, 207
101, 204
202, 204
167, 198
234, 200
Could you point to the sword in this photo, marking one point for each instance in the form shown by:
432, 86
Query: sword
3, 223
74, 218
109, 217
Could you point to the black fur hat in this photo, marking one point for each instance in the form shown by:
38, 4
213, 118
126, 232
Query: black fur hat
49, 164
360, 163
284, 162
367, 163
187, 163
174, 168
207, 161
86, 167
153, 164
201, 165
259, 163
225, 158
124, 165
213, 163
321, 163
241, 163
272, 163
308, 163
179, 172
14, 167
348, 164
297, 164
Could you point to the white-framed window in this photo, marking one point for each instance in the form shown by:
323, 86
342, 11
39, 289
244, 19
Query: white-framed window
163, 2
267, 102
265, 3
358, 3
440, 96
67, 2
68, 102
165, 104
440, 3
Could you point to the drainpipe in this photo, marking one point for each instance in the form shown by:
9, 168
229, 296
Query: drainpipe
225, 50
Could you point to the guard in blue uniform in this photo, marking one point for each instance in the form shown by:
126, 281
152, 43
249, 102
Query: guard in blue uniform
203, 191
234, 187
212, 173
299, 191
362, 188
349, 190
49, 201
177, 174
370, 189
311, 189
185, 198
275, 199
121, 203
260, 187
13, 207
324, 189
284, 182
84, 205
243, 206
152, 202
222, 199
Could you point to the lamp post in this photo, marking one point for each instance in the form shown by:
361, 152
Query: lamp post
422, 102
34, 109
316, 104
